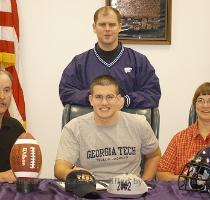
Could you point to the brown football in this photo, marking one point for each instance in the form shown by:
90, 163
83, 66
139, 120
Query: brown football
26, 157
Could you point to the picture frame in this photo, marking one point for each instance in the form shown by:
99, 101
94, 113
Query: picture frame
144, 21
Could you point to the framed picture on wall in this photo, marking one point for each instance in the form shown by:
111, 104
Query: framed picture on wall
144, 21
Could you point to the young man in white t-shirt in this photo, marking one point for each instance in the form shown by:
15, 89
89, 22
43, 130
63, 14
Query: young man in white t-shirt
107, 142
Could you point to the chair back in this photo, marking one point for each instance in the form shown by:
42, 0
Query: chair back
192, 115
152, 115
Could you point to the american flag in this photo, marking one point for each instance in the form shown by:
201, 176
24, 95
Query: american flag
9, 49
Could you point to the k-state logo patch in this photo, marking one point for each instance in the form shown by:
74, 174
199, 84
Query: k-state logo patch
127, 69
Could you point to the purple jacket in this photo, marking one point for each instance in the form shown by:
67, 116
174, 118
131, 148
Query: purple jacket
136, 77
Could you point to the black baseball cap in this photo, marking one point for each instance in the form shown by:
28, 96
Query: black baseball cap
82, 183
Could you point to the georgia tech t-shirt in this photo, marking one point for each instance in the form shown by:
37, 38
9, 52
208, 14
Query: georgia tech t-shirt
107, 151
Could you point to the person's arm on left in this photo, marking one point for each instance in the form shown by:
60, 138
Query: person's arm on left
68, 152
147, 92
18, 129
7, 176
151, 164
62, 168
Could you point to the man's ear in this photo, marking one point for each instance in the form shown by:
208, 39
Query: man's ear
120, 27
94, 27
121, 101
119, 96
90, 99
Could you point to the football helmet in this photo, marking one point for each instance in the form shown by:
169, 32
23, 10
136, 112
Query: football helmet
196, 173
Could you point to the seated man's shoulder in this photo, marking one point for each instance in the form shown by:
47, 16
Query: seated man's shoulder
86, 118
13, 125
11, 121
133, 118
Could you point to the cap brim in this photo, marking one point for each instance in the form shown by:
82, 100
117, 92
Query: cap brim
124, 196
84, 190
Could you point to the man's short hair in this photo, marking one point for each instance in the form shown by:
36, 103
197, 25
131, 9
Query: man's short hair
105, 11
203, 89
104, 80
2, 71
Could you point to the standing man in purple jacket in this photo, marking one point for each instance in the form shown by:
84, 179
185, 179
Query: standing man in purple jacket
136, 76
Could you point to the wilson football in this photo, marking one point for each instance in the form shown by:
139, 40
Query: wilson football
26, 157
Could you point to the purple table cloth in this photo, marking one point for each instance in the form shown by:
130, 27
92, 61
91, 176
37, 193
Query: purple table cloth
47, 191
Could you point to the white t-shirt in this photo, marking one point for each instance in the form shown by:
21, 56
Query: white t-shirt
107, 151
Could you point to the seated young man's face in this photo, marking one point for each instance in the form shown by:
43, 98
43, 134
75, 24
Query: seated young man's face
106, 102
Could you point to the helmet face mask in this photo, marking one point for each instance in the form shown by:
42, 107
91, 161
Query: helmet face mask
195, 175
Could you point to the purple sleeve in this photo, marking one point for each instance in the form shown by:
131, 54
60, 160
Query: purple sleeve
72, 90
147, 91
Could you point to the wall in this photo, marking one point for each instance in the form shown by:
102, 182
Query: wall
52, 32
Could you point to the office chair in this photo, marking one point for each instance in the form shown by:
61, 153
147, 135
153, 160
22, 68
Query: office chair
152, 115
192, 116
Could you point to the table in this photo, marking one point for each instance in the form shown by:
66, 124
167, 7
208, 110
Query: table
48, 191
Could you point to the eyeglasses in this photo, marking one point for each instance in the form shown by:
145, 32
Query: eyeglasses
201, 101
109, 98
